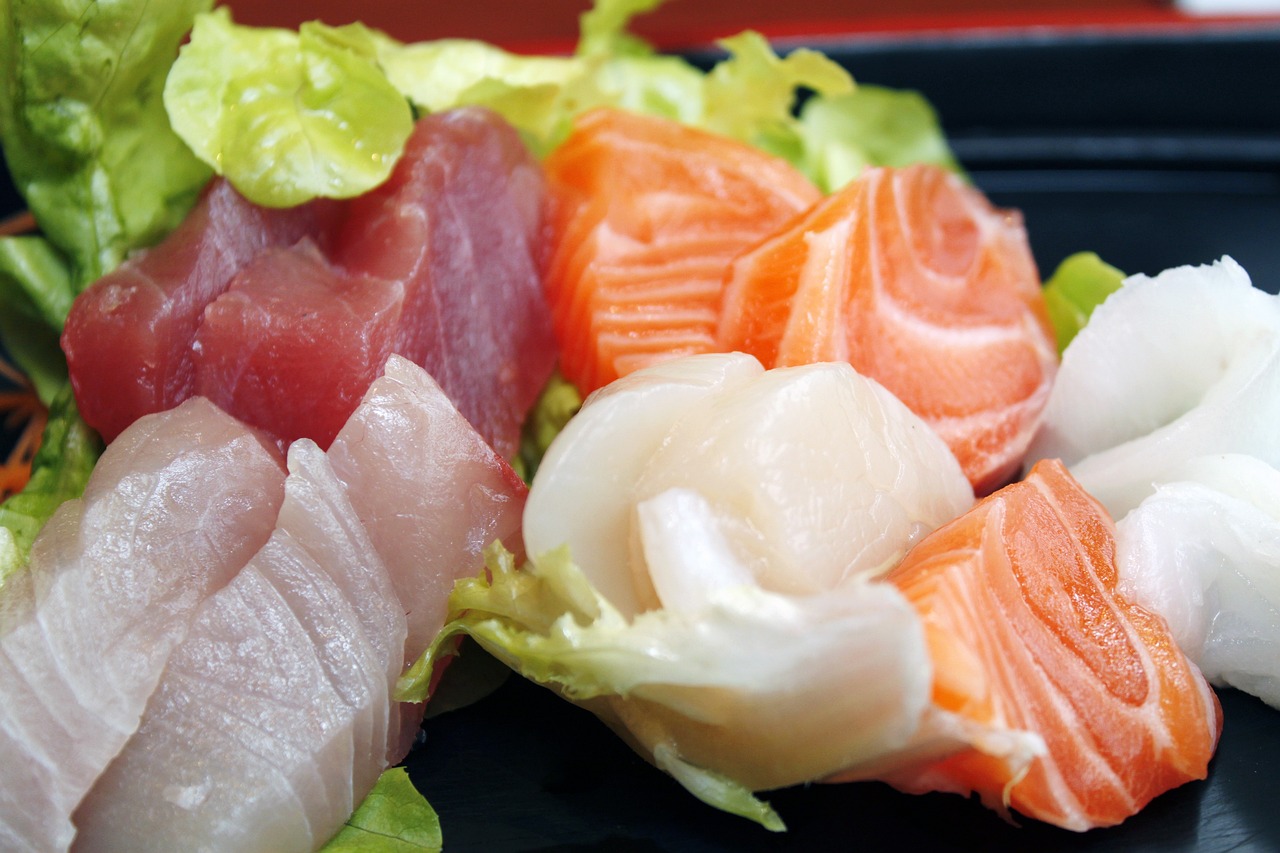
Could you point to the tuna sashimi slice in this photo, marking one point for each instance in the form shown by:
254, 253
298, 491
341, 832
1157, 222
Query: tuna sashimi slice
274, 716
293, 343
430, 491
174, 509
1027, 633
459, 223
128, 337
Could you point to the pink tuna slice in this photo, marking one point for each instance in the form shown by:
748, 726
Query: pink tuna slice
128, 337
274, 717
459, 221
455, 227
174, 509
428, 488
292, 344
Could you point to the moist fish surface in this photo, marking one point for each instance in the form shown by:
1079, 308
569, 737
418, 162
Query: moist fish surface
173, 510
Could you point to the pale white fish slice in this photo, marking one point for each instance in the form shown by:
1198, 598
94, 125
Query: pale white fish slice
1168, 368
173, 510
271, 722
429, 490
1204, 552
586, 482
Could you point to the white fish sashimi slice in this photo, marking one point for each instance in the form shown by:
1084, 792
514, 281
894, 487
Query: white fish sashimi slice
586, 481
175, 507
1204, 552
429, 490
823, 474
271, 722
1168, 368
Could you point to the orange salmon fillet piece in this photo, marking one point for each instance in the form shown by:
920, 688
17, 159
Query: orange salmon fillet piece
1026, 631
645, 216
912, 277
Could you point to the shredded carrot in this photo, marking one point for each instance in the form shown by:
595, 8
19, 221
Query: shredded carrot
22, 418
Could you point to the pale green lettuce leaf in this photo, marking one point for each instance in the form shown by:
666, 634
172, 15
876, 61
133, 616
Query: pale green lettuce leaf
287, 116
1080, 284
604, 28
394, 818
735, 663
83, 126
752, 95
872, 126
556, 405
61, 468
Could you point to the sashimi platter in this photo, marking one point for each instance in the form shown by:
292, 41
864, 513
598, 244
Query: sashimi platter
397, 396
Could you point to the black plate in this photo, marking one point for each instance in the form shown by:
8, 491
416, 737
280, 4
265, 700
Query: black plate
1153, 149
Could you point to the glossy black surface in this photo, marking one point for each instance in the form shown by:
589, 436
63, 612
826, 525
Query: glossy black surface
1153, 150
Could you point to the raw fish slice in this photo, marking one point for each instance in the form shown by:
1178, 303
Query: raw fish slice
271, 723
646, 214
1027, 633
598, 458
822, 475
1203, 551
1169, 368
917, 281
128, 337
173, 510
430, 491
292, 344
459, 222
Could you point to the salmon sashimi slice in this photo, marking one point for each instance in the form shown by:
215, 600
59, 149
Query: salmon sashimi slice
645, 216
173, 510
917, 281
274, 715
1027, 632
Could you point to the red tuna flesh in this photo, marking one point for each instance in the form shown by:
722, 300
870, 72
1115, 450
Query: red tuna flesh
459, 222
128, 336
456, 227
293, 343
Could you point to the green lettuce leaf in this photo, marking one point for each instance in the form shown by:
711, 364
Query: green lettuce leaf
83, 125
59, 472
287, 116
549, 623
872, 126
36, 291
558, 402
1080, 284
394, 818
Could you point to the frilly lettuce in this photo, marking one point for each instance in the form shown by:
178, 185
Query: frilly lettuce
324, 112
59, 472
287, 116
85, 134
871, 126
88, 145
1081, 283
705, 694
